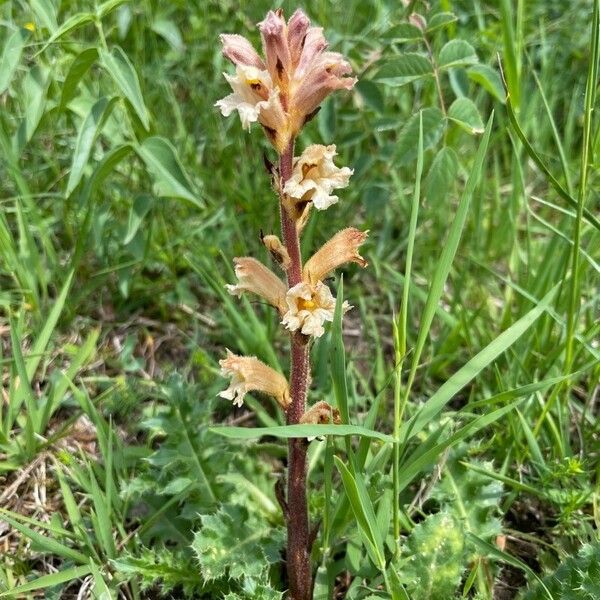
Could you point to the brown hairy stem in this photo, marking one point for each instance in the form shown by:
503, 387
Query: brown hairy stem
298, 528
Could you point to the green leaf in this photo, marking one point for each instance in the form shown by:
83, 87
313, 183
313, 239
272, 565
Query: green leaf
433, 127
169, 31
108, 6
48, 581
439, 20
90, 128
11, 55
45, 11
371, 94
79, 67
48, 545
362, 507
456, 53
432, 562
338, 359
163, 164
404, 69
299, 431
464, 112
235, 543
35, 87
141, 206
441, 176
473, 367
71, 24
119, 67
404, 32
489, 80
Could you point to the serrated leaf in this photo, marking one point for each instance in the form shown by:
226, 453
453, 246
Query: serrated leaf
404, 69
441, 19
89, 131
433, 127
163, 164
441, 176
431, 562
235, 543
79, 67
11, 55
489, 79
464, 112
456, 53
119, 67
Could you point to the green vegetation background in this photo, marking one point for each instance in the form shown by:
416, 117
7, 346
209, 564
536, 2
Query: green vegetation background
124, 195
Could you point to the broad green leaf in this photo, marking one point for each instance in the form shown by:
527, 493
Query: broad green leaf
403, 69
169, 31
71, 24
441, 176
45, 11
108, 6
11, 55
464, 112
299, 431
441, 19
79, 67
163, 164
404, 32
473, 367
141, 206
35, 87
433, 127
489, 80
364, 513
48, 581
90, 128
457, 53
119, 67
371, 94
100, 590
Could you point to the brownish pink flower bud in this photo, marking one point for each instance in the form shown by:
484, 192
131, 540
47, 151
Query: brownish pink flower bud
321, 413
254, 277
278, 250
297, 31
340, 249
248, 374
240, 51
273, 31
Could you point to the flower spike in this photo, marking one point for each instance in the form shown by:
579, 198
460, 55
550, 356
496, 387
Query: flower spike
248, 374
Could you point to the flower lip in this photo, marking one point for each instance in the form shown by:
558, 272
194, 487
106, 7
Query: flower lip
309, 306
315, 176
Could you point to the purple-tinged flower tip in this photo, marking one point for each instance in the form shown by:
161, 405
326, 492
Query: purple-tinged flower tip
240, 51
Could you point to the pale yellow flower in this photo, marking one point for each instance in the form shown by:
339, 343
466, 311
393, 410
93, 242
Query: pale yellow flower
340, 249
254, 98
248, 374
315, 176
309, 306
254, 277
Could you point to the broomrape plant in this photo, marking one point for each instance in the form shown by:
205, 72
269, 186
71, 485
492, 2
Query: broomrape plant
282, 92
